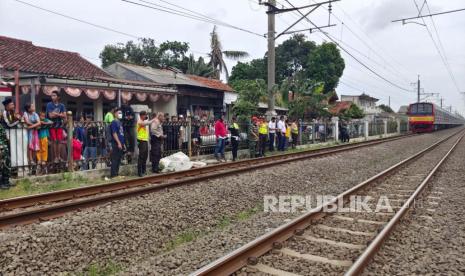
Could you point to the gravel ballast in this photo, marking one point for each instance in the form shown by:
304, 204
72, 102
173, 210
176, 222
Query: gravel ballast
134, 231
430, 240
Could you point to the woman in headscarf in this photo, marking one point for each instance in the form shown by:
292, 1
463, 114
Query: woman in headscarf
17, 134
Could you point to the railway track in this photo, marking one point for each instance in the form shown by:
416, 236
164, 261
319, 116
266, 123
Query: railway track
43, 207
324, 241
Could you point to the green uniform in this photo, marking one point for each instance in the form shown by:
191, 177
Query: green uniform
253, 139
5, 163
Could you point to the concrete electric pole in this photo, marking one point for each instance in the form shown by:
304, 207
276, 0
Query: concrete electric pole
271, 58
418, 85
271, 35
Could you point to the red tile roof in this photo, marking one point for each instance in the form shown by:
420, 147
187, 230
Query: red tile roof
339, 107
25, 56
212, 83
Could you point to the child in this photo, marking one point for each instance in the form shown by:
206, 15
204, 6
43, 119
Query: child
77, 150
44, 134
33, 122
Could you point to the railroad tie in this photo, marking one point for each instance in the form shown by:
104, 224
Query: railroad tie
334, 243
359, 220
343, 230
314, 258
272, 271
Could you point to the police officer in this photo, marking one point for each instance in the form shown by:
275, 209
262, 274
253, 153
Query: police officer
262, 136
253, 138
5, 163
234, 129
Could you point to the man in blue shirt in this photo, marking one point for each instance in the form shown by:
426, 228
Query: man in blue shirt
56, 112
117, 141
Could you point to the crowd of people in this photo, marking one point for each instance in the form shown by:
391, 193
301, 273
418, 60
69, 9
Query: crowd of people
262, 135
36, 141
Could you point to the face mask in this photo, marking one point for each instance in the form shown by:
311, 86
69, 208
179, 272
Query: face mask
120, 115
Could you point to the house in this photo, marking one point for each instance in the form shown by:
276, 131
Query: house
403, 110
263, 108
196, 95
364, 102
340, 107
85, 88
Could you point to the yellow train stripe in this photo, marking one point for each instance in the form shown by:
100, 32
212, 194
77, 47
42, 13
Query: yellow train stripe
421, 119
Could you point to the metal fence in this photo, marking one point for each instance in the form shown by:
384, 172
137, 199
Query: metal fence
84, 145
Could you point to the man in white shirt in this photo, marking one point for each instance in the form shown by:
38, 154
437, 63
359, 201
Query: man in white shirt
281, 133
272, 132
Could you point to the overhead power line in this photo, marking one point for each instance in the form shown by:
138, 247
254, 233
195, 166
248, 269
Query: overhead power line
79, 20
198, 17
426, 15
441, 53
350, 54
105, 28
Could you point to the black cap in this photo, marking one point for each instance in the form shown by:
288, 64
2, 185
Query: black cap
7, 101
143, 113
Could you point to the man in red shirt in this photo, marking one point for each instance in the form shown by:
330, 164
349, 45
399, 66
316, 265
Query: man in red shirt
221, 134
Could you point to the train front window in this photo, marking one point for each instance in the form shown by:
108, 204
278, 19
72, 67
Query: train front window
421, 109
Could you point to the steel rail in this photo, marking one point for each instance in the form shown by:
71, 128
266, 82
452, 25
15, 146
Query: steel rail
251, 251
57, 210
70, 194
362, 262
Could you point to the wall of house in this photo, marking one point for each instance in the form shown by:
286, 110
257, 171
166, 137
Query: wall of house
169, 107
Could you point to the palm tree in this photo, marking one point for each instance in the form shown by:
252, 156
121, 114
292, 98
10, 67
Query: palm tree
216, 55
199, 67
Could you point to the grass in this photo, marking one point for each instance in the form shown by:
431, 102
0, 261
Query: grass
26, 187
223, 222
245, 215
183, 238
108, 269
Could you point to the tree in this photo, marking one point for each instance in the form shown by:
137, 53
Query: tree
199, 67
146, 53
250, 93
386, 108
326, 64
217, 55
353, 112
298, 58
309, 101
253, 70
292, 56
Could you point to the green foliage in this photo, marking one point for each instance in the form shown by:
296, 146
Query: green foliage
224, 222
183, 238
217, 55
386, 108
250, 93
326, 64
353, 112
292, 56
309, 101
256, 69
199, 67
108, 269
298, 58
146, 53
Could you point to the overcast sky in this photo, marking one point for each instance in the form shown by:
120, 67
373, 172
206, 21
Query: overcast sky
397, 53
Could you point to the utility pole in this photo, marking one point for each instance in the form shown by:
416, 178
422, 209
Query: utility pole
271, 35
271, 58
418, 99
389, 101
442, 99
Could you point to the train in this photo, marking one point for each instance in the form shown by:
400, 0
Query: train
428, 117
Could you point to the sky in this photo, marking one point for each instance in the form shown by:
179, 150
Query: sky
394, 53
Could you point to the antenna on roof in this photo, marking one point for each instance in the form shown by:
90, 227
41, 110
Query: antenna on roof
174, 69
